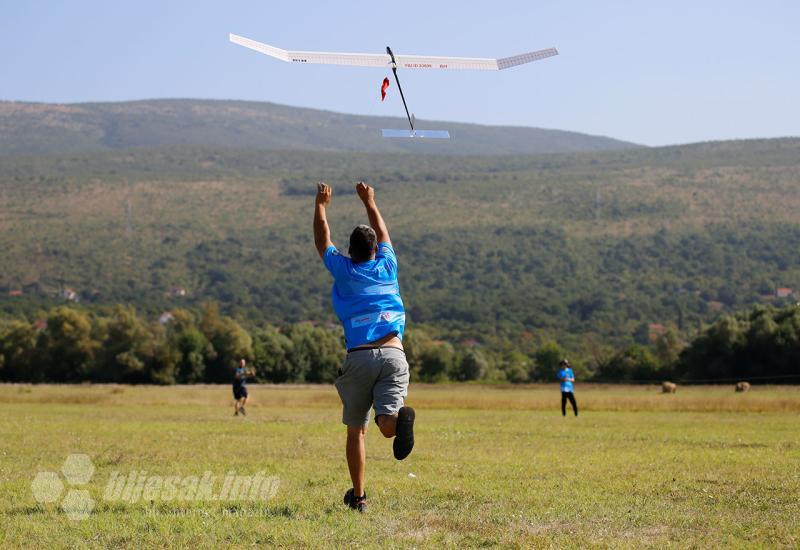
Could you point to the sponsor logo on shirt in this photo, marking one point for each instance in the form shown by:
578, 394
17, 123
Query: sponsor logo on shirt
373, 318
361, 321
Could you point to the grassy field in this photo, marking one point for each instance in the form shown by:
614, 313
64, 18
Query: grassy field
493, 466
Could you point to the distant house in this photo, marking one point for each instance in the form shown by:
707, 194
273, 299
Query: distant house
655, 331
177, 291
40, 324
470, 343
784, 292
15, 292
715, 306
70, 294
166, 317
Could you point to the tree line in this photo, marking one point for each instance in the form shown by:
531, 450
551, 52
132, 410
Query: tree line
72, 344
564, 246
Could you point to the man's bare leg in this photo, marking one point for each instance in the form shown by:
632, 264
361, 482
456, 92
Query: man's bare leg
387, 423
356, 457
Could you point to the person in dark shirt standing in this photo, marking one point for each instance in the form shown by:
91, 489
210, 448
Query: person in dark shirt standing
240, 388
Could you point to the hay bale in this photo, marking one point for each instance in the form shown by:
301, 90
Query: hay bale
743, 386
669, 387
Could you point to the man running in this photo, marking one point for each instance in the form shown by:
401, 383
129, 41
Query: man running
366, 298
240, 388
567, 377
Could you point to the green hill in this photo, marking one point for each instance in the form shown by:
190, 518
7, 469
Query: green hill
588, 248
36, 128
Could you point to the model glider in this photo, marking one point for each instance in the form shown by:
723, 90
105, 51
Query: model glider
390, 60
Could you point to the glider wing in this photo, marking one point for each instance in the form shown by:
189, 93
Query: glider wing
529, 57
470, 63
325, 58
403, 61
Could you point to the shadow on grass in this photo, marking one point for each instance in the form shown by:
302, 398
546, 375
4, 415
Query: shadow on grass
279, 511
201, 510
35, 510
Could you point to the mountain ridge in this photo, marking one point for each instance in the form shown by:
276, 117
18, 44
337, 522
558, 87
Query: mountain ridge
31, 128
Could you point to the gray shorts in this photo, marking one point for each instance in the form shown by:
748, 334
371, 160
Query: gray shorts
372, 377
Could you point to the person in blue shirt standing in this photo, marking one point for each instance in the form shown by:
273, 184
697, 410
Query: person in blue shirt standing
366, 298
567, 378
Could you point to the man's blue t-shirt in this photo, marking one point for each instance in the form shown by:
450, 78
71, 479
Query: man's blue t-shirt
366, 296
564, 375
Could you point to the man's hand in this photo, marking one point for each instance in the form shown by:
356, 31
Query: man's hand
322, 233
324, 194
367, 196
365, 192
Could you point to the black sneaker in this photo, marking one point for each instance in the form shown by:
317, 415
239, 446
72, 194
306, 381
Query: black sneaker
244, 413
404, 438
354, 502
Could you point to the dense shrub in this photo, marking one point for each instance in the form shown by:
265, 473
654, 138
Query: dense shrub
72, 344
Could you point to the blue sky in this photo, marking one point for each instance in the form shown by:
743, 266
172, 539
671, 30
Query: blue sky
650, 72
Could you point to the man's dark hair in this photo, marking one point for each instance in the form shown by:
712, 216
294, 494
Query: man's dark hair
363, 242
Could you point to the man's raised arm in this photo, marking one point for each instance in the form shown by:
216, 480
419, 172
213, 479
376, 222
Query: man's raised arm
322, 233
367, 196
